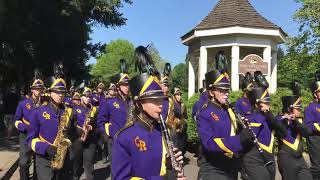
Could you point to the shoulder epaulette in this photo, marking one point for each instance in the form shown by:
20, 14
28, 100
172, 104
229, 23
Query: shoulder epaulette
205, 105
128, 125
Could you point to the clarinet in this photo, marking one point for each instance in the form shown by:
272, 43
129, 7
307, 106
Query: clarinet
246, 124
170, 146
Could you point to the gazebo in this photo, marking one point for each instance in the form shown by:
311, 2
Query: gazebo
248, 40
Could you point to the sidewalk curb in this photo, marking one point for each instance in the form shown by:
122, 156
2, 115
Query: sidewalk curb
7, 175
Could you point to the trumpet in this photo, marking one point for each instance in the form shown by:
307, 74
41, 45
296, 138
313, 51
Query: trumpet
170, 146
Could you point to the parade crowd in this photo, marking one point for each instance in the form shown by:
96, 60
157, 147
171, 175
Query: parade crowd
137, 125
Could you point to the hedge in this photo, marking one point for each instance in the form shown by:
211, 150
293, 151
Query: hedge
276, 107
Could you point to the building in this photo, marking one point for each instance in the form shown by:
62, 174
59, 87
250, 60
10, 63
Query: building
248, 40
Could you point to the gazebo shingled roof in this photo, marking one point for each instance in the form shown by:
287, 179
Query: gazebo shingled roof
229, 13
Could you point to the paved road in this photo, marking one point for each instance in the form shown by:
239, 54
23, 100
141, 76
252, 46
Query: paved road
102, 171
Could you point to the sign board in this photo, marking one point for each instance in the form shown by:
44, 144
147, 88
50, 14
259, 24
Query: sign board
252, 63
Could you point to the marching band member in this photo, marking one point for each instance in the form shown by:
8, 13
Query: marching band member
84, 146
50, 132
258, 160
312, 120
221, 140
139, 150
180, 120
113, 112
22, 123
290, 160
99, 96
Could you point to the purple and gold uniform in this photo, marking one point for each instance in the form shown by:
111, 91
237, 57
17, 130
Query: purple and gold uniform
68, 101
23, 114
112, 116
218, 132
43, 132
97, 99
22, 120
198, 105
290, 160
312, 120
84, 150
44, 126
260, 164
242, 105
139, 152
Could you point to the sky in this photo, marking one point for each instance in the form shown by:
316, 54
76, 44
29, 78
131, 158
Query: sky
163, 22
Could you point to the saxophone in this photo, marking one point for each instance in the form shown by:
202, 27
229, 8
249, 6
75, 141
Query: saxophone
89, 116
170, 121
62, 143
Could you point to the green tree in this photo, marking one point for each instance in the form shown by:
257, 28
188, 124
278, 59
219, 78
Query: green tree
180, 77
107, 63
302, 59
37, 33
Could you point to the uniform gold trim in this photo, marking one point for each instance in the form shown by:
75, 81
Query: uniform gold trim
16, 124
106, 127
218, 79
34, 143
255, 124
295, 145
221, 145
147, 84
270, 147
57, 81
163, 169
316, 125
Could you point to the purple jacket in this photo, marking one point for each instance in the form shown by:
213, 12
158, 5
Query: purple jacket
242, 105
44, 126
22, 116
138, 152
112, 116
217, 131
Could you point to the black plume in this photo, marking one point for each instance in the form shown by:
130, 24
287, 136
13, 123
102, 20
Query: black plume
221, 62
143, 61
167, 69
72, 82
260, 79
37, 74
317, 76
295, 87
58, 70
123, 66
248, 77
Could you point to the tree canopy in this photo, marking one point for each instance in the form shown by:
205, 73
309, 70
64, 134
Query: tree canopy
302, 59
108, 62
37, 33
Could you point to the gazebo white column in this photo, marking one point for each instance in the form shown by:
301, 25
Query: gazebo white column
235, 55
274, 66
267, 58
191, 76
202, 65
